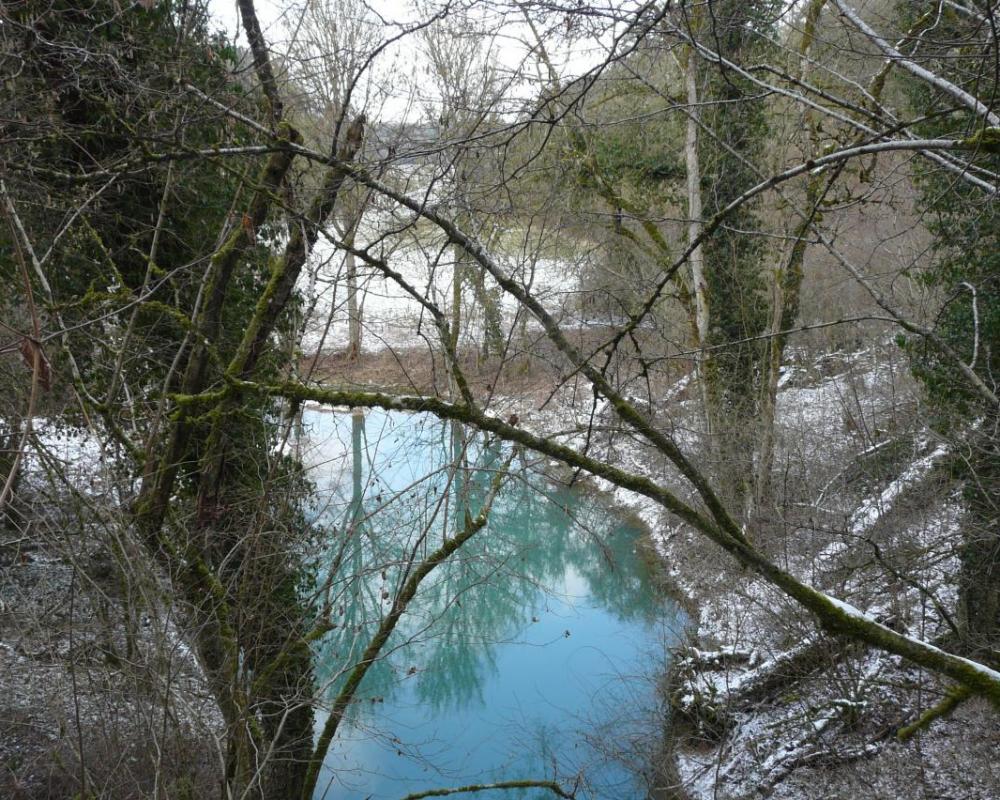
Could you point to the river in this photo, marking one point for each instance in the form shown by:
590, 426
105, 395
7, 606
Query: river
532, 653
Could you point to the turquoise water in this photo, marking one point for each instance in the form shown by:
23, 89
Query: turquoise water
531, 654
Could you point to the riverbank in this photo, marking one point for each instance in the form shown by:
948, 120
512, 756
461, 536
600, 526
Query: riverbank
766, 705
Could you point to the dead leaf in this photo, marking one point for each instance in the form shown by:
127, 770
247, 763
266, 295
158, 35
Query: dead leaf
28, 349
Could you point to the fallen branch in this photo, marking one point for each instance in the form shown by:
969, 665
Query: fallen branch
833, 615
552, 786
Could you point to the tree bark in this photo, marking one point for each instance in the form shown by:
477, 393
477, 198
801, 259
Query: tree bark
979, 573
698, 283
353, 304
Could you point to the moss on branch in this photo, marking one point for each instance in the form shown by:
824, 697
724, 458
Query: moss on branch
953, 698
986, 140
833, 616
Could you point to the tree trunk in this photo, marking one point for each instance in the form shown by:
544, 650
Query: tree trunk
456, 312
979, 576
492, 316
697, 259
353, 304
785, 284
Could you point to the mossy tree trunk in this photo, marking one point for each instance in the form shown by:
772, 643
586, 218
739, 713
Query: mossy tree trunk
734, 253
979, 574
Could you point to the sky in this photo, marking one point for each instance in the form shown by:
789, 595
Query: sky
227, 13
509, 51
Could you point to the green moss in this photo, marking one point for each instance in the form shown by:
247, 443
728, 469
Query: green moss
832, 616
987, 140
952, 699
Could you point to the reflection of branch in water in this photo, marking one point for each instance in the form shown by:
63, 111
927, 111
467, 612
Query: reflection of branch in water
535, 535
381, 637
484, 595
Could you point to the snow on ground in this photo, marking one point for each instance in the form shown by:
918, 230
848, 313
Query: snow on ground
823, 717
826, 727
874, 509
392, 316
830, 728
74, 456
59, 590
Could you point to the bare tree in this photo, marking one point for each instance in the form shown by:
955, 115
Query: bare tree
175, 332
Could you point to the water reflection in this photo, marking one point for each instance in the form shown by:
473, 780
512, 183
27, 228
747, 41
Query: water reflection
532, 638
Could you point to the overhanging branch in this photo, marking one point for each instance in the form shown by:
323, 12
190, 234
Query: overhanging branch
833, 615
